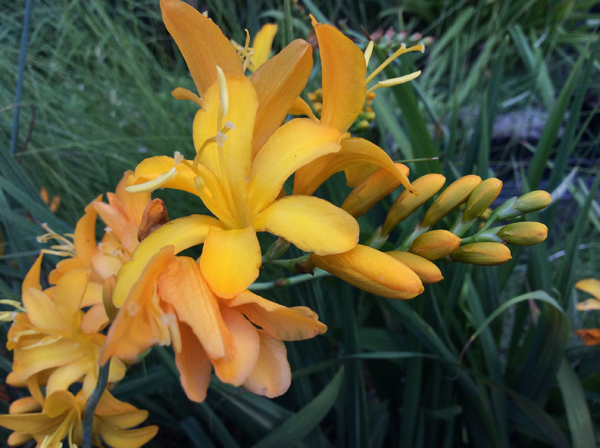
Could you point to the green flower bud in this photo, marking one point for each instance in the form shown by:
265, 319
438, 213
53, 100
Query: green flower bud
524, 233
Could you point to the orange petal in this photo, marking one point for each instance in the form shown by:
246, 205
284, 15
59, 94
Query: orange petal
278, 82
590, 285
311, 224
201, 42
85, 235
42, 312
69, 294
371, 190
354, 152
133, 204
262, 45
271, 375
373, 271
344, 77
425, 269
286, 324
193, 364
32, 279
64, 266
230, 260
181, 233
247, 346
182, 285
589, 336
95, 319
301, 107
138, 324
292, 146
112, 217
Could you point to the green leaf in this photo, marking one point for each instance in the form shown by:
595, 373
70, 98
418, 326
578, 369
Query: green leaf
196, 434
304, 421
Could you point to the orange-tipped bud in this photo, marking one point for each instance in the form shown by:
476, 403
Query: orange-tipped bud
524, 233
372, 189
589, 336
482, 197
435, 244
407, 203
373, 271
154, 217
533, 201
483, 254
425, 269
456, 194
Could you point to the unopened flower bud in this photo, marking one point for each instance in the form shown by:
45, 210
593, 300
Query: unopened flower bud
482, 197
524, 233
533, 201
406, 203
154, 217
456, 194
362, 125
483, 254
425, 269
435, 244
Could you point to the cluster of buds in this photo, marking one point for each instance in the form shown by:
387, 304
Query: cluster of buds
364, 119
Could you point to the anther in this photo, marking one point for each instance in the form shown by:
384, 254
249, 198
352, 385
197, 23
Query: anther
178, 157
368, 52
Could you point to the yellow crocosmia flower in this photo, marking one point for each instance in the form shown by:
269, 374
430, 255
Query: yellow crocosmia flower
242, 191
372, 271
47, 337
61, 417
371, 190
172, 303
277, 82
344, 95
592, 286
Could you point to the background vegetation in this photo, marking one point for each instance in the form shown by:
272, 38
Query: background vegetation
509, 89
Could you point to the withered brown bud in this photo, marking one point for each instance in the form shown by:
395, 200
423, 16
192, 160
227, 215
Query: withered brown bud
155, 216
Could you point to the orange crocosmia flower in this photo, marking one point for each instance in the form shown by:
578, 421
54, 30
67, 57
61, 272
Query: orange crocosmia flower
172, 303
60, 418
47, 339
589, 336
243, 157
344, 94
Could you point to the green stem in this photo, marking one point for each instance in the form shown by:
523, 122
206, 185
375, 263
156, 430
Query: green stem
281, 282
90, 407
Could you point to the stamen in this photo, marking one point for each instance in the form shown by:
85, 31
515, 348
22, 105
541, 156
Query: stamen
221, 138
45, 341
178, 157
199, 183
8, 316
368, 52
229, 126
389, 60
394, 81
153, 184
12, 303
66, 249
224, 96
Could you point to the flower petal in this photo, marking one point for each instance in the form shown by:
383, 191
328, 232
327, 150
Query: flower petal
131, 438
344, 77
589, 304
301, 107
262, 44
95, 319
28, 423
68, 374
133, 204
286, 324
182, 285
271, 375
85, 235
371, 190
427, 271
32, 279
247, 346
230, 260
24, 405
42, 311
373, 271
590, 285
34, 360
354, 152
193, 365
201, 42
278, 82
311, 224
181, 233
69, 294
292, 146
149, 169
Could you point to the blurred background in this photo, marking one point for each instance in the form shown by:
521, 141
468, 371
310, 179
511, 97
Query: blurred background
509, 89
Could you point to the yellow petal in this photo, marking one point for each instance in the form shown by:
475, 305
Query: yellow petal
292, 146
182, 285
271, 375
138, 324
193, 365
151, 168
354, 152
344, 75
201, 42
131, 438
69, 294
85, 235
247, 345
24, 405
425, 269
286, 324
95, 319
32, 279
406, 203
64, 266
106, 265
237, 149
311, 224
262, 44
373, 271
590, 285
589, 304
42, 312
181, 233
34, 360
28, 423
278, 82
18, 439
372, 189
68, 374
133, 204
300, 107
230, 260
